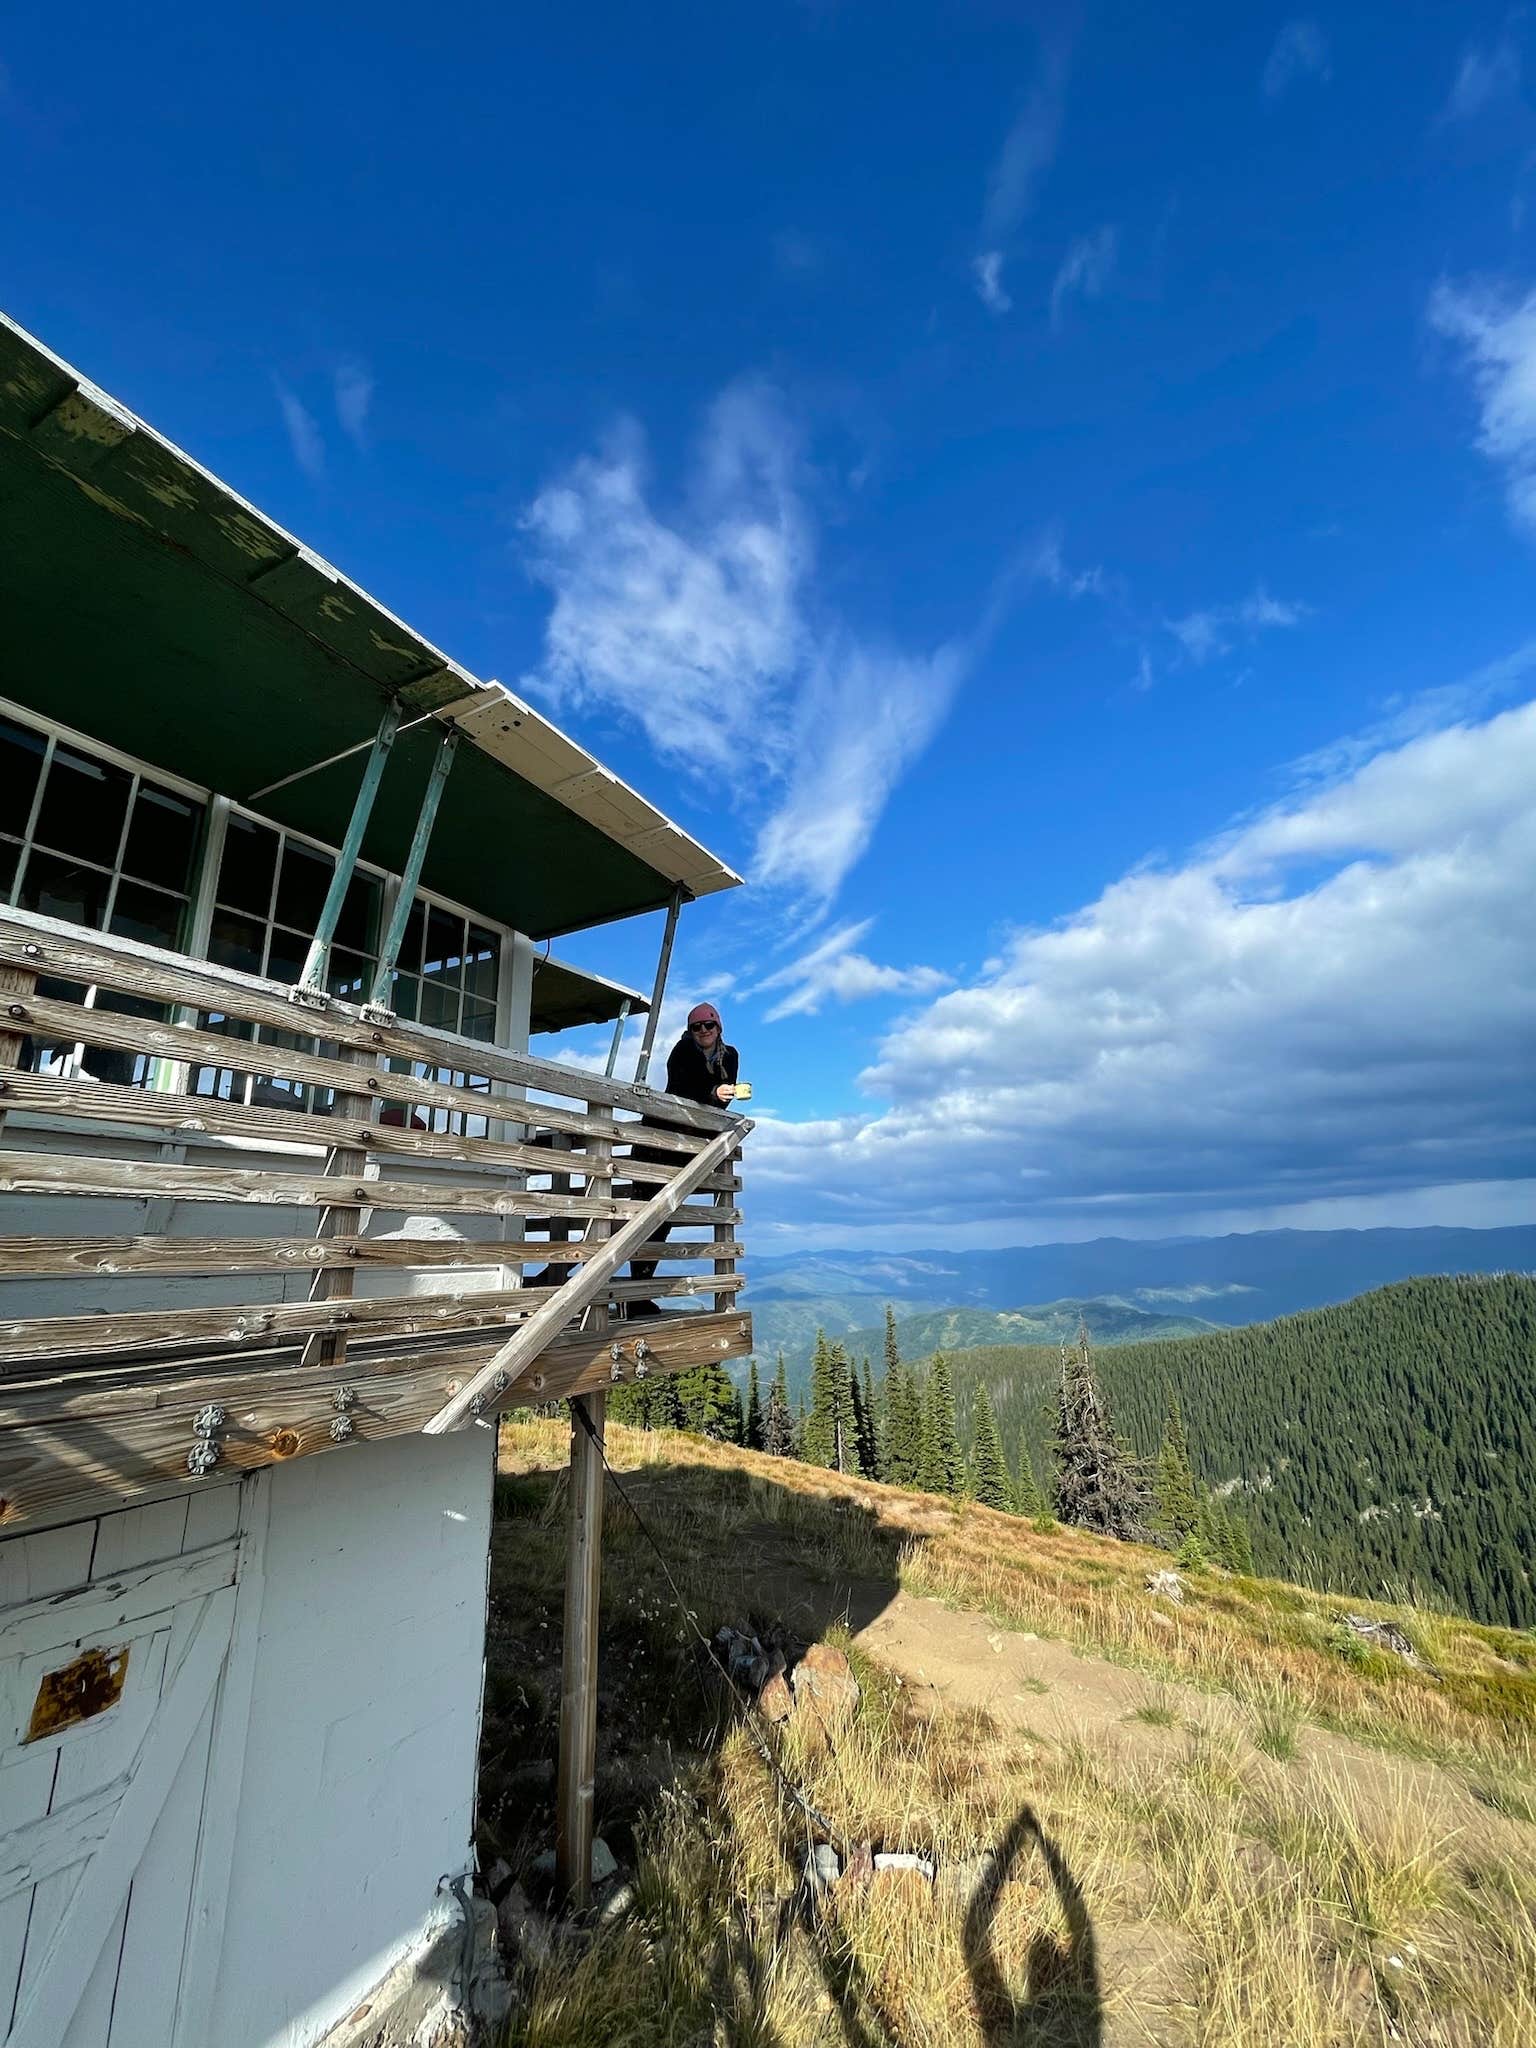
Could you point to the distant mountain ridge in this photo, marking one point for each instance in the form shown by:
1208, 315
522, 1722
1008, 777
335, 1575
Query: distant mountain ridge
792, 1327
1245, 1277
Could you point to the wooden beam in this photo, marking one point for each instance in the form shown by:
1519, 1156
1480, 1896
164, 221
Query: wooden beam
106, 1257
63, 1446
490, 1385
49, 1173
26, 1339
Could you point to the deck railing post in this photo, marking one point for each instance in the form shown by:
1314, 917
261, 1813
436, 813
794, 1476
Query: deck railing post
583, 1585
313, 975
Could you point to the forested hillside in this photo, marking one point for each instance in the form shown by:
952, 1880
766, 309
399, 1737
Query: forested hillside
793, 1327
1388, 1440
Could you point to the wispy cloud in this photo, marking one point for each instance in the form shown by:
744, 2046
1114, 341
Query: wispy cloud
1045, 563
835, 971
1498, 335
703, 624
1483, 76
1026, 155
989, 282
354, 397
1300, 51
304, 436
1085, 270
1214, 629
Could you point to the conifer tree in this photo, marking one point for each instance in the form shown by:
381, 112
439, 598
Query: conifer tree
664, 1404
831, 1430
1175, 1497
752, 1433
990, 1481
1098, 1485
943, 1467
903, 1428
778, 1422
871, 1448
711, 1404
1028, 1498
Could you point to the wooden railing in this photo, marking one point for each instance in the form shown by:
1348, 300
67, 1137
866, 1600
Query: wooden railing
421, 1127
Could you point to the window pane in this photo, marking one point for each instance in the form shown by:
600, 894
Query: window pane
405, 995
236, 941
445, 945
285, 960
52, 1055
21, 760
162, 837
415, 937
10, 854
63, 888
349, 975
479, 1019
358, 925
84, 804
245, 874
480, 972
301, 886
107, 1063
150, 915
439, 1006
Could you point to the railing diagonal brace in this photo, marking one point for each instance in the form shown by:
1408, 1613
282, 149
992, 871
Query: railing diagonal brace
493, 1386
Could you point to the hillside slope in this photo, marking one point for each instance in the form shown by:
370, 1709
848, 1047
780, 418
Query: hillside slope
1388, 1441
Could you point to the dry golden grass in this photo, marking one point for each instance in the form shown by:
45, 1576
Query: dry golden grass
1171, 1885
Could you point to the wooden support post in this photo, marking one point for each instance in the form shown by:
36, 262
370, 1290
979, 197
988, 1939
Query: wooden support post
723, 1234
578, 1664
348, 1162
618, 1038
17, 986
410, 874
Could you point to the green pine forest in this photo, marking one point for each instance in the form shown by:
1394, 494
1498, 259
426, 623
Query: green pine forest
1386, 1442
1384, 1445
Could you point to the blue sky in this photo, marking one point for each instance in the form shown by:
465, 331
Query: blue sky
1049, 494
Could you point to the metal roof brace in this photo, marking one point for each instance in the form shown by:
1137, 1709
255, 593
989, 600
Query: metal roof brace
313, 977
663, 962
618, 1038
410, 874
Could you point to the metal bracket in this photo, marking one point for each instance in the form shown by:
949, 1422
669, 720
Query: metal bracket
309, 998
375, 1013
341, 1429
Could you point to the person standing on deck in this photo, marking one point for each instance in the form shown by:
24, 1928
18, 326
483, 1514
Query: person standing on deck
701, 1068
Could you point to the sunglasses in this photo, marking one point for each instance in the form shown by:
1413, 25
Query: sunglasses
709, 1025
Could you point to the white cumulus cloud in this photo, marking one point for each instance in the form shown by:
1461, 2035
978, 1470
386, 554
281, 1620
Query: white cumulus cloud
1483, 76
1334, 1002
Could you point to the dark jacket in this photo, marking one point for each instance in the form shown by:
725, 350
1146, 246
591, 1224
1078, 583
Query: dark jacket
688, 1075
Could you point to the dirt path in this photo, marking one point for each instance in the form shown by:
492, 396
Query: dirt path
963, 1661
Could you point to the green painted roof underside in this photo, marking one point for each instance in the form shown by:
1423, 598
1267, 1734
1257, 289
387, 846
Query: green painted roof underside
563, 996
208, 664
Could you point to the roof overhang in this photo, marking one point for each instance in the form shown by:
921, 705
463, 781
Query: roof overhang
565, 996
148, 604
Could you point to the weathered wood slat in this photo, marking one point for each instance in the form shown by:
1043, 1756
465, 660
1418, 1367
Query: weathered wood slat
26, 1339
517, 1354
47, 1173
209, 1116
97, 1257
107, 1445
41, 945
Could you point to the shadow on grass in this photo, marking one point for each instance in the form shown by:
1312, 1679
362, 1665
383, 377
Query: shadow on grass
788, 1566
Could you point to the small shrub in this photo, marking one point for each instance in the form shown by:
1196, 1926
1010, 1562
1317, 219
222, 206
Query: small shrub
1192, 1555
1044, 1525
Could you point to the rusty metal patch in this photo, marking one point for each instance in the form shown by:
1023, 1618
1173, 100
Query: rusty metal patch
78, 1691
